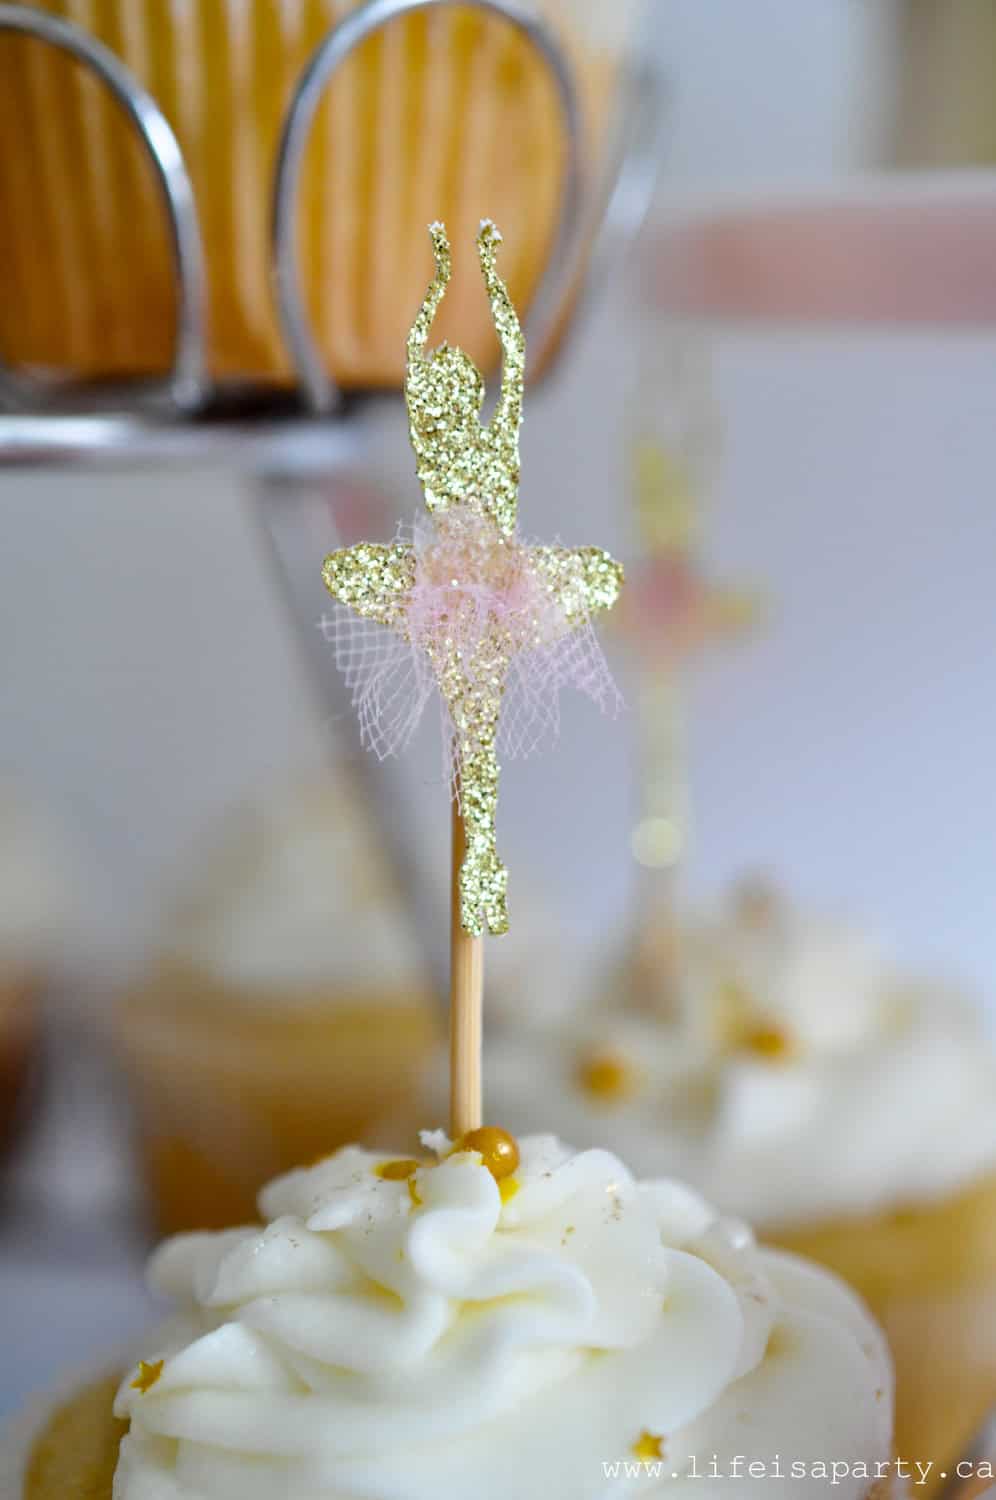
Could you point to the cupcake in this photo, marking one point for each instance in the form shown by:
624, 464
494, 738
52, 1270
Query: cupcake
448, 114
786, 1069
289, 998
418, 1328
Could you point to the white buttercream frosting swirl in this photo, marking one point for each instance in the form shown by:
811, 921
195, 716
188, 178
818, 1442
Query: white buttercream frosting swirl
387, 1339
786, 1069
298, 896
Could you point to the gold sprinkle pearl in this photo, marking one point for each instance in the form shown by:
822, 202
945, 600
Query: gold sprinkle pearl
147, 1375
770, 1043
397, 1171
605, 1076
498, 1150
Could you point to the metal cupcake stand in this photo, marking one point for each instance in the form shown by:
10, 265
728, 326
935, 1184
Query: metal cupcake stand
188, 415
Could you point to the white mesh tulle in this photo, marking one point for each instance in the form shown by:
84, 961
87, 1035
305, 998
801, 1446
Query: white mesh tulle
531, 710
391, 679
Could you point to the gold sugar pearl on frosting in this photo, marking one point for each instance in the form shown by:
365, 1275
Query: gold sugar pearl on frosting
606, 1076
147, 1375
769, 1043
648, 1446
398, 1171
498, 1150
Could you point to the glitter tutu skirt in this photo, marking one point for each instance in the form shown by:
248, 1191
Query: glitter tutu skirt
443, 115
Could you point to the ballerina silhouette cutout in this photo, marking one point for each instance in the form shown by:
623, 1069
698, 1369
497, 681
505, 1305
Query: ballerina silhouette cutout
485, 616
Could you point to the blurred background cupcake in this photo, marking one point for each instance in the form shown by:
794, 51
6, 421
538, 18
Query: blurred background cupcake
443, 115
290, 1000
787, 1068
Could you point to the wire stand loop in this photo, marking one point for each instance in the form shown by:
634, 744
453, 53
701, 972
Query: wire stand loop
187, 382
67, 421
555, 287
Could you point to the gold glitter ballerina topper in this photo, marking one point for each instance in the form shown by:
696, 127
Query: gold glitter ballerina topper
497, 624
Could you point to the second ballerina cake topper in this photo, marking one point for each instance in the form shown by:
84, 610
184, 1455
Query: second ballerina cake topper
497, 624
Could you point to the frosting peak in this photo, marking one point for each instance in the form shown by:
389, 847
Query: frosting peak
266, 916
399, 1337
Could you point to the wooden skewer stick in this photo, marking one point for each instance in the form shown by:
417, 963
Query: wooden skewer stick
466, 1004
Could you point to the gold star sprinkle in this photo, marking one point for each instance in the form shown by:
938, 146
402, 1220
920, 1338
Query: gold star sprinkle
147, 1375
648, 1446
475, 599
397, 1171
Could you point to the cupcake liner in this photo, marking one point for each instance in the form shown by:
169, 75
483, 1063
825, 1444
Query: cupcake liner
928, 1274
944, 1347
446, 114
20, 1434
229, 1095
919, 1249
